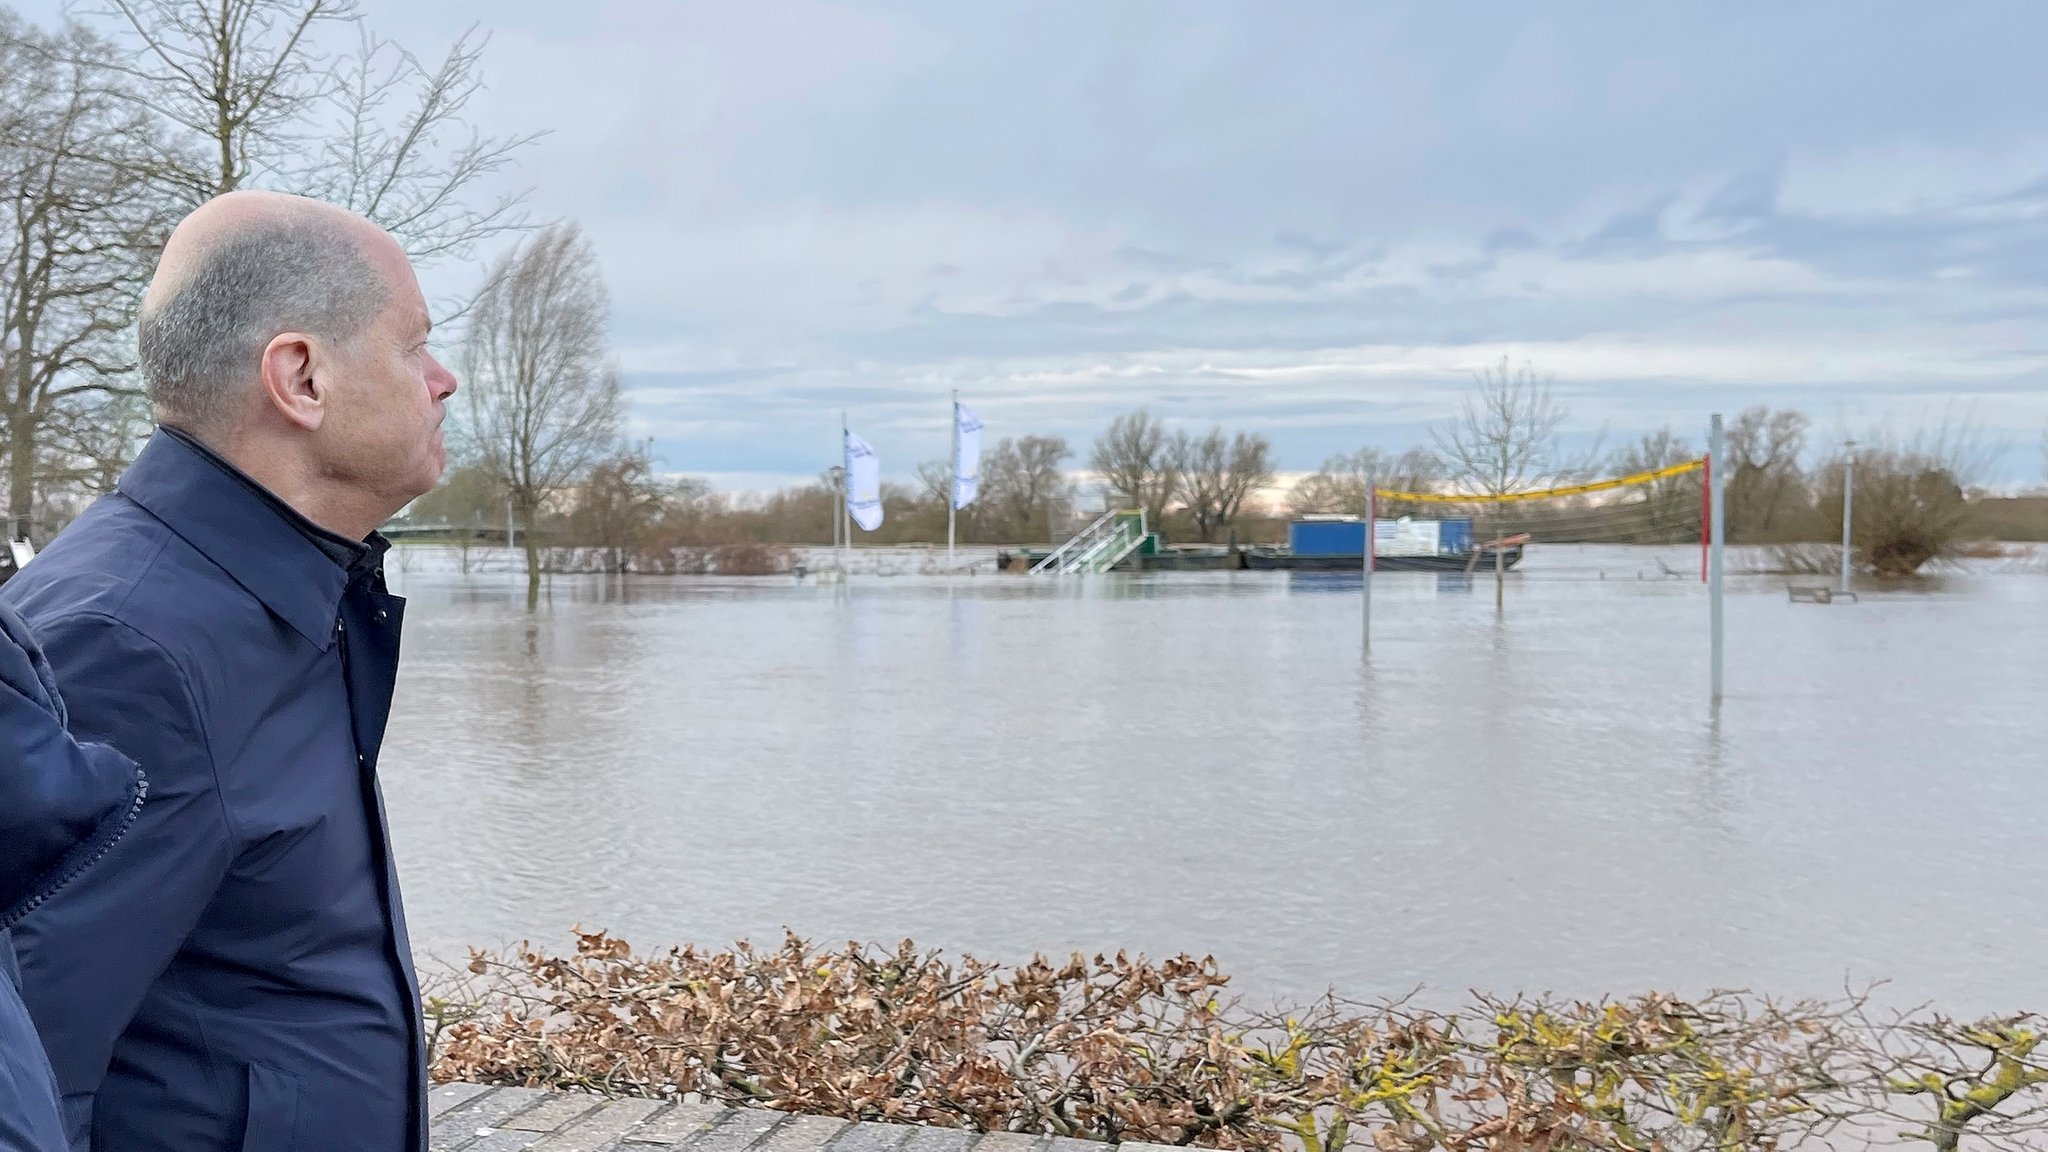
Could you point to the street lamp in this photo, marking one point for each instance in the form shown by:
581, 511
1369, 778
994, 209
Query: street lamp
838, 474
1848, 506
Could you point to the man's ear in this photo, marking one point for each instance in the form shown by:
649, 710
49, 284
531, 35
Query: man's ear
291, 382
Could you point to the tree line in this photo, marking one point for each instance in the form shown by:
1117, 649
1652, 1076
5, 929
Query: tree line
1915, 498
1193, 487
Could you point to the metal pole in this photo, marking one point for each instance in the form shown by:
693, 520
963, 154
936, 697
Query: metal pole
1716, 492
1500, 566
953, 481
1706, 512
511, 526
845, 495
1848, 508
1372, 508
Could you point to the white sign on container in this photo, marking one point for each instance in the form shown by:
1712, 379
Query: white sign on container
1405, 537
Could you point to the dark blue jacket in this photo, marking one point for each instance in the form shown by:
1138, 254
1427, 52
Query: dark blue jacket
62, 806
236, 974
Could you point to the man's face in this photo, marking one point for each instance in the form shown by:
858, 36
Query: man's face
391, 398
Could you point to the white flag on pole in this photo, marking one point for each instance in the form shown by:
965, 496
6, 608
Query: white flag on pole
863, 484
967, 456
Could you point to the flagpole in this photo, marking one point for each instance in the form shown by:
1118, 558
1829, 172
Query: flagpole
845, 499
953, 482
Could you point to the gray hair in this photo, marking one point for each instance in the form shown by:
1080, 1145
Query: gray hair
296, 272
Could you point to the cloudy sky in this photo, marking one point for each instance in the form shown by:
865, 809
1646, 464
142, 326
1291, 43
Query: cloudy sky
1310, 219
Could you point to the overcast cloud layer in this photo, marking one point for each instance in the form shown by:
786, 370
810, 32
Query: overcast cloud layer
1314, 219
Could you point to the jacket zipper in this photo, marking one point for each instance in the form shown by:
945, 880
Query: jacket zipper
108, 837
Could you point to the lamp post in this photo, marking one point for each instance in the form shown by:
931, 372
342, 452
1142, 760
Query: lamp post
1848, 506
838, 474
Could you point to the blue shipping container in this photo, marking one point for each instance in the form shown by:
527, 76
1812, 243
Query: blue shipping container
1347, 537
1326, 537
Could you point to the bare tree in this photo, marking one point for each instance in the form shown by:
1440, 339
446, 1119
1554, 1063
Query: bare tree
1504, 438
1504, 441
1671, 505
1766, 491
468, 497
1912, 504
1339, 485
1135, 462
923, 505
693, 514
1218, 475
86, 443
377, 131
935, 481
619, 506
80, 219
1024, 484
543, 399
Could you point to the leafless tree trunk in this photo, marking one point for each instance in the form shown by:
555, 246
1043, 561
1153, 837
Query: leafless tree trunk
1503, 441
1135, 461
543, 398
1218, 475
80, 220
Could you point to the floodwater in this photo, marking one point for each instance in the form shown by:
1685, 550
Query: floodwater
1536, 801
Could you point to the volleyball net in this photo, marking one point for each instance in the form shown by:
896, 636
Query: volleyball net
1634, 523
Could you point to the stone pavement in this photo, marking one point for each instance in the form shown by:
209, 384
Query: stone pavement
476, 1118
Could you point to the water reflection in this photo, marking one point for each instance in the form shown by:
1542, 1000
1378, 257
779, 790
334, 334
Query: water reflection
1535, 800
1352, 583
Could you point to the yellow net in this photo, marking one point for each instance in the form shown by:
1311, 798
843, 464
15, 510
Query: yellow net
1657, 506
1638, 479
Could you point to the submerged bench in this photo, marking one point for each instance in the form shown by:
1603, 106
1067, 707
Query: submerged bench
1816, 594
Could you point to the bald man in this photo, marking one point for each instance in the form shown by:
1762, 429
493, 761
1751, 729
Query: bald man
235, 975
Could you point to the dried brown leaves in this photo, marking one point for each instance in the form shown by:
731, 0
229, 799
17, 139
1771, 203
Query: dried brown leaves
1116, 1048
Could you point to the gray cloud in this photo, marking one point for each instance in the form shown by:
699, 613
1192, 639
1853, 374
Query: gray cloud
1317, 218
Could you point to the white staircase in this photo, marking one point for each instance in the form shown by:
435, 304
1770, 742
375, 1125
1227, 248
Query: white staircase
1097, 548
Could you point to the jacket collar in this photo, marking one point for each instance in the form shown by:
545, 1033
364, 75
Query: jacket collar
238, 530
340, 549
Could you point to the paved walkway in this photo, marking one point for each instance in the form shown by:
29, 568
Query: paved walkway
474, 1118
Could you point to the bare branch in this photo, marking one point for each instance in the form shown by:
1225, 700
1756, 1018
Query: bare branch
1134, 460
1503, 440
376, 131
1218, 475
1023, 490
241, 74
394, 167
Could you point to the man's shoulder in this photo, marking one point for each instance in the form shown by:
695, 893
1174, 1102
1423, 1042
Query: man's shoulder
119, 569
